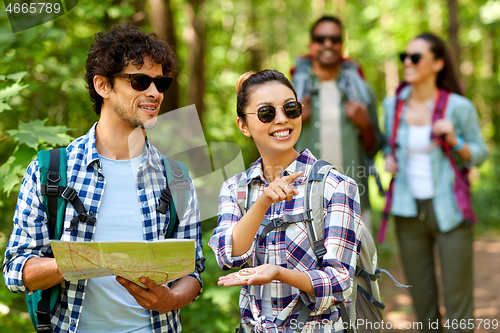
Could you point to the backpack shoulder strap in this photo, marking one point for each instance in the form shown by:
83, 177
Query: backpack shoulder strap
52, 164
176, 193
313, 202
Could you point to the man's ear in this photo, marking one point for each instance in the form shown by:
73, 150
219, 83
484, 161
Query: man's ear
243, 127
102, 86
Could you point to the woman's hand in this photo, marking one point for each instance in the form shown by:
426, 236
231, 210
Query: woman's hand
265, 274
280, 190
391, 165
444, 127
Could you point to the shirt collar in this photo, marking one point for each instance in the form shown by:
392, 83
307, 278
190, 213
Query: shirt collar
152, 156
303, 163
405, 92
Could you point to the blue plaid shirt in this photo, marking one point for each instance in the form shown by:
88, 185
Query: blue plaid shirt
289, 247
30, 235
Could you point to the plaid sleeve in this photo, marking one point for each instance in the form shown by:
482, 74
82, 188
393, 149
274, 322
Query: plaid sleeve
30, 234
334, 282
229, 214
190, 228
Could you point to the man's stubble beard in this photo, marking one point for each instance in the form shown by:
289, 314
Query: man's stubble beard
132, 119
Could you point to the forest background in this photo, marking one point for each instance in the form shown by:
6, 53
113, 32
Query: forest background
44, 102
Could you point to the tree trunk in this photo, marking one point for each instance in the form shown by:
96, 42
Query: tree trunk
197, 45
453, 24
161, 19
495, 68
255, 50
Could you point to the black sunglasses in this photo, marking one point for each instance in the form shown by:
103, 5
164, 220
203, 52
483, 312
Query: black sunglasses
267, 113
415, 57
141, 82
335, 39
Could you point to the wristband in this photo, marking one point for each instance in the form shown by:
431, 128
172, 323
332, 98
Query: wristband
459, 145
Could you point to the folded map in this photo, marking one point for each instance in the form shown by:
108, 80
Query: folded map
161, 261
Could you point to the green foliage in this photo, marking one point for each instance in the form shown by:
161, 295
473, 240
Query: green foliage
28, 139
486, 193
241, 35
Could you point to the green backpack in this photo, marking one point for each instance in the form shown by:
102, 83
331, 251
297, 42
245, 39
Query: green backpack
56, 193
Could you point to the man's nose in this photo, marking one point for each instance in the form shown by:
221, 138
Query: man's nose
152, 91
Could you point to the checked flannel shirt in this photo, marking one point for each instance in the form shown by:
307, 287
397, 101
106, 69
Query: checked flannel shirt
30, 238
289, 247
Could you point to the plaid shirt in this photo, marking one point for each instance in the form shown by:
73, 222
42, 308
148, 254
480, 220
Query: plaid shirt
30, 238
289, 247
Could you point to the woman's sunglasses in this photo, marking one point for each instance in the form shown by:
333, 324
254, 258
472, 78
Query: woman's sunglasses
141, 82
267, 113
415, 57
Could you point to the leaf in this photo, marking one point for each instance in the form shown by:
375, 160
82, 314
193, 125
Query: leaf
12, 171
35, 132
17, 76
11, 91
4, 106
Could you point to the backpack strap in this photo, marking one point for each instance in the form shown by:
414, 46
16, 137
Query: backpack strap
175, 194
382, 231
315, 188
55, 192
52, 165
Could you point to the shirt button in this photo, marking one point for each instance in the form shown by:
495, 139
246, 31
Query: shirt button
91, 213
100, 178
73, 323
317, 124
274, 242
275, 302
80, 286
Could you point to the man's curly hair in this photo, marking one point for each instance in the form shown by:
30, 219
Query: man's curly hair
114, 50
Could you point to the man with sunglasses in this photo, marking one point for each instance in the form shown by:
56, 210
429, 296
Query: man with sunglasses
118, 176
339, 108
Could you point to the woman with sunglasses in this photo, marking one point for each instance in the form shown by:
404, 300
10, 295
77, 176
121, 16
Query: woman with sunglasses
428, 118
287, 282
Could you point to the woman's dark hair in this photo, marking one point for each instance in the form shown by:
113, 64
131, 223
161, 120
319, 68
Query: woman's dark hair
112, 51
250, 80
447, 78
325, 18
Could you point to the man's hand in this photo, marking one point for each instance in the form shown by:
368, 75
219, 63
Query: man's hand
306, 107
358, 113
157, 298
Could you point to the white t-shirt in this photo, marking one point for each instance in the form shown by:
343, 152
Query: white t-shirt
330, 127
419, 168
108, 307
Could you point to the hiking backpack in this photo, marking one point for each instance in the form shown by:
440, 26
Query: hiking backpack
365, 310
55, 193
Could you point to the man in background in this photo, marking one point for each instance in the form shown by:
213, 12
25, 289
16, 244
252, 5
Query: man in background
340, 111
